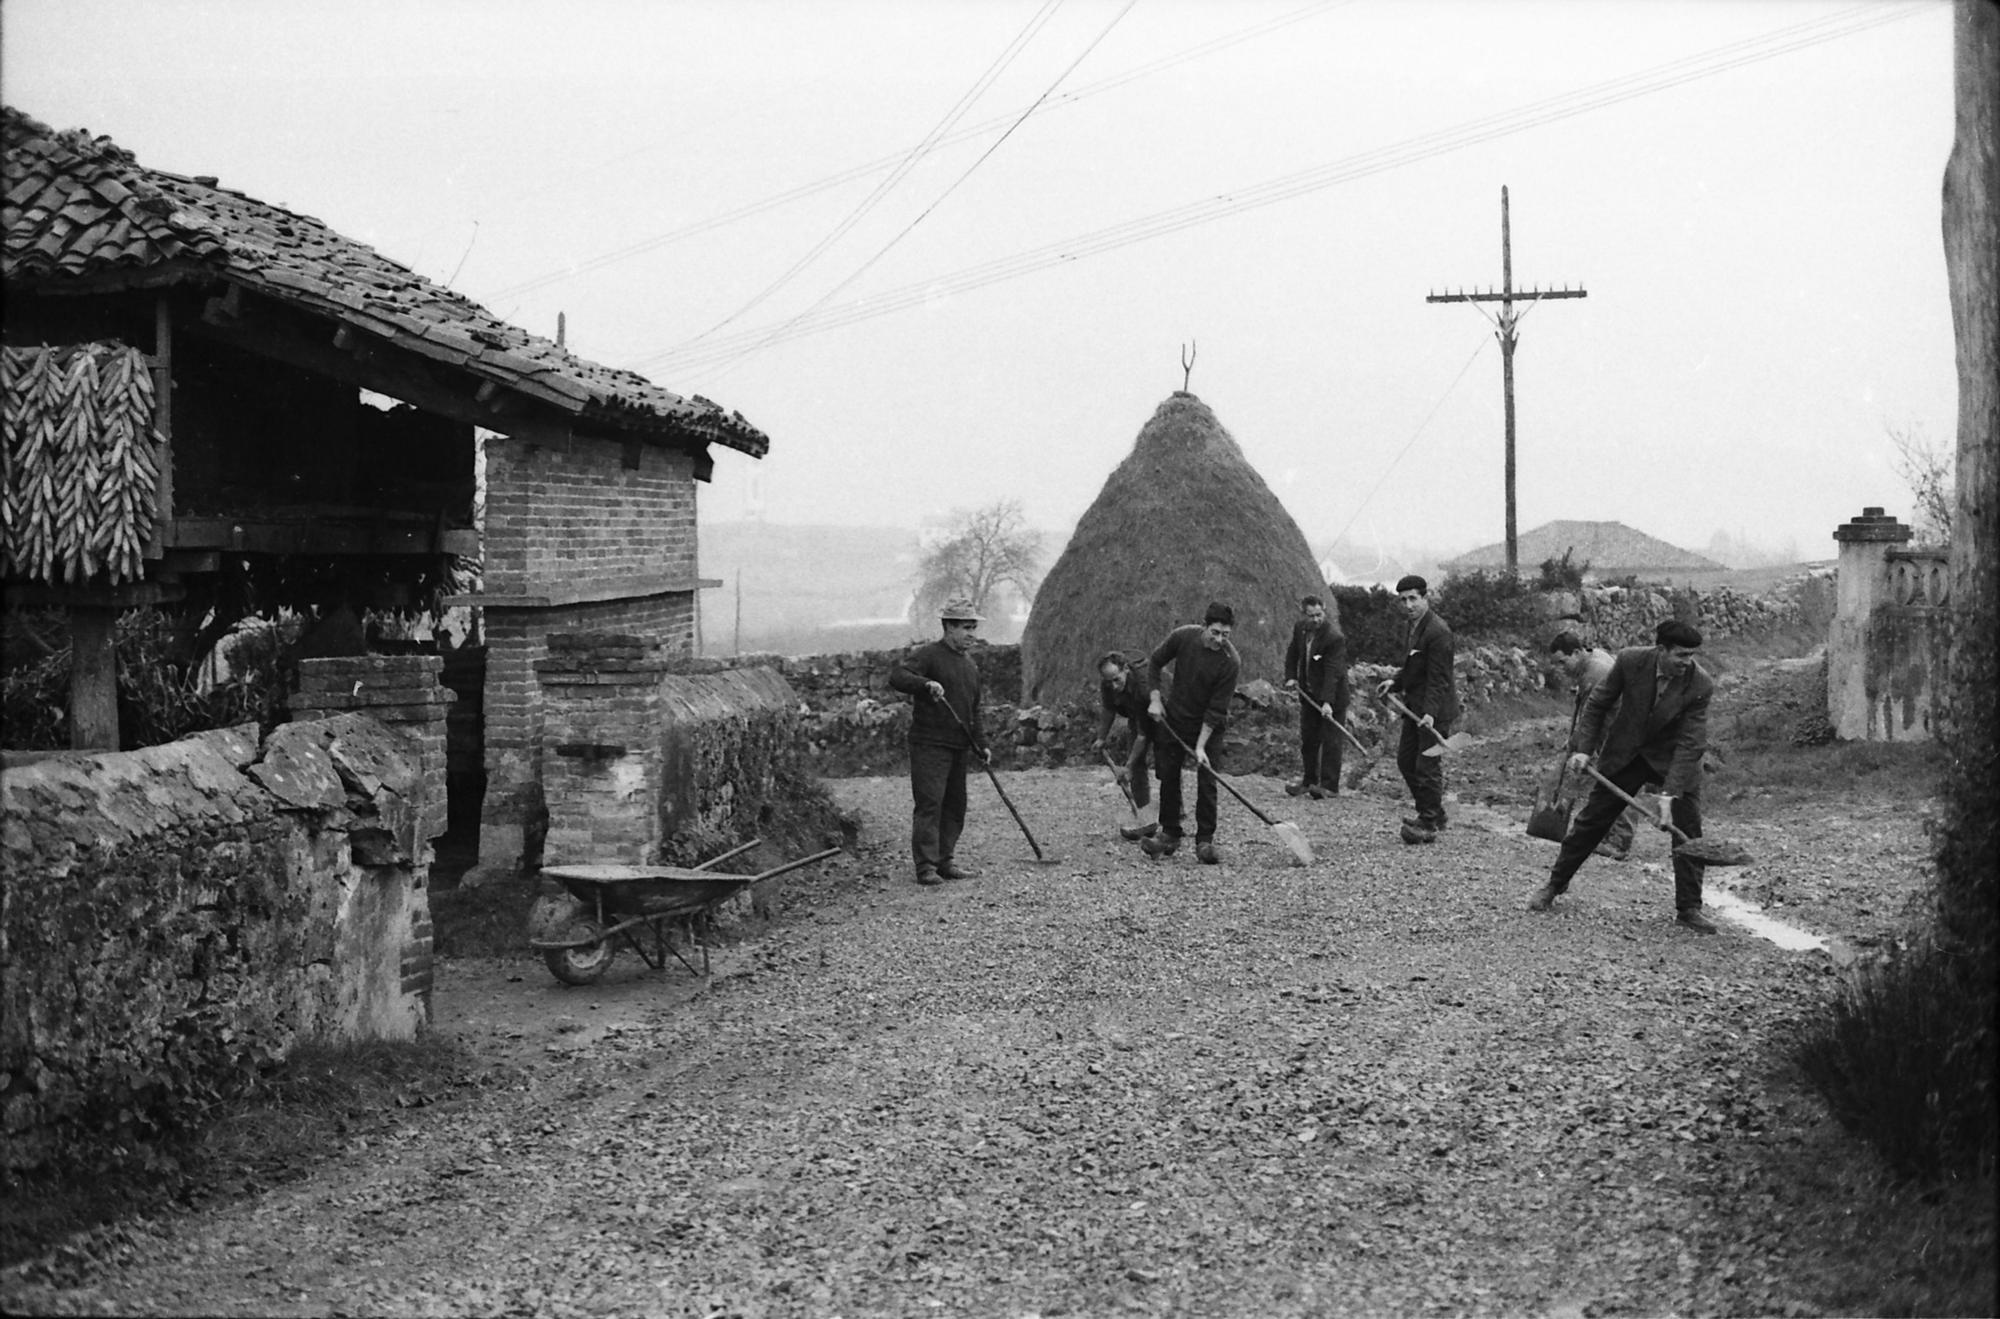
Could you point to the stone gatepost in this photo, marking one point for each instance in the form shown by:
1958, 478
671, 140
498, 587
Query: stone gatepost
602, 773
1887, 635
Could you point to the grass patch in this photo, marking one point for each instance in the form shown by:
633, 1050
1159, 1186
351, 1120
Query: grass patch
1911, 770
309, 1109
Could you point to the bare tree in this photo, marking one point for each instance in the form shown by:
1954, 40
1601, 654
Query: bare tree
1927, 468
981, 550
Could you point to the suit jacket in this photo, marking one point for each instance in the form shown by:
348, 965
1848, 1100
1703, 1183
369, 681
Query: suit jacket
1317, 661
1667, 727
1425, 683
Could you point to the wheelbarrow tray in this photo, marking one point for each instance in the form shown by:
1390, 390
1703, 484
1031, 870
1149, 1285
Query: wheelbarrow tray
623, 891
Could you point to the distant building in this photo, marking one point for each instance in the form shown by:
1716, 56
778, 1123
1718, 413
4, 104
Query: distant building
1610, 549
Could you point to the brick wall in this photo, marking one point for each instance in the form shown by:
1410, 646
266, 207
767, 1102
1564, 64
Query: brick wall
601, 758
555, 512
401, 691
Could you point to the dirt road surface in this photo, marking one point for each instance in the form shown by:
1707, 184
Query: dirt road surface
1110, 1086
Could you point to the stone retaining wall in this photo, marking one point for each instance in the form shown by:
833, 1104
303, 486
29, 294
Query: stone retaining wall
174, 918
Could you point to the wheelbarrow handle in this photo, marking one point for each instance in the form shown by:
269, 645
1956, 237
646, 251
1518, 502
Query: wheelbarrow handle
734, 851
1633, 802
789, 865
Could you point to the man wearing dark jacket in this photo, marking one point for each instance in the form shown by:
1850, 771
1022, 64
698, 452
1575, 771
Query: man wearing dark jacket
1121, 691
1205, 665
944, 730
1426, 687
1647, 721
1316, 668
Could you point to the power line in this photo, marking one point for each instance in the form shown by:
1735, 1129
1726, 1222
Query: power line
805, 190
1478, 348
1409, 151
910, 160
869, 264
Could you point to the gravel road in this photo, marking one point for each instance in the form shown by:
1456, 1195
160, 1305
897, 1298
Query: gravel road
1101, 1086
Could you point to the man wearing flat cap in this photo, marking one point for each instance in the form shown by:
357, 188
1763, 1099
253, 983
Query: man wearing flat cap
1647, 722
944, 730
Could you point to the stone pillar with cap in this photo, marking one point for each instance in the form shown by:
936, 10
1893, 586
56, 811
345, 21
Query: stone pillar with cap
1863, 585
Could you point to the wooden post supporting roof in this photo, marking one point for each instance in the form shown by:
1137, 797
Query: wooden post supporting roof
93, 678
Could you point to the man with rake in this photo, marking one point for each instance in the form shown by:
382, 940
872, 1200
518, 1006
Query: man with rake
944, 730
1656, 699
1205, 665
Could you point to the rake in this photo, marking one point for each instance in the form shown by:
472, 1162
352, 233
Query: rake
1142, 828
1707, 851
1284, 831
1005, 800
1456, 742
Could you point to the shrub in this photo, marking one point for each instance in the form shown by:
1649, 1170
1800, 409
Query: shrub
1372, 619
1561, 574
1497, 604
160, 695
1906, 1060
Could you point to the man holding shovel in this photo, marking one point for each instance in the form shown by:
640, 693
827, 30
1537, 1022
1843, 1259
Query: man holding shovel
1428, 691
1205, 665
1316, 669
1121, 691
1647, 721
944, 730
1588, 666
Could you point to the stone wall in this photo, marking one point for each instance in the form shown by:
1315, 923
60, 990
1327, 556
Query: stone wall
178, 916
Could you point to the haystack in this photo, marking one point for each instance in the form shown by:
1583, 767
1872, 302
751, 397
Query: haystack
1182, 521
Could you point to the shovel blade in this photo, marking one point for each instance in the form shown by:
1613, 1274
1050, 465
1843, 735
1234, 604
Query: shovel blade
1293, 841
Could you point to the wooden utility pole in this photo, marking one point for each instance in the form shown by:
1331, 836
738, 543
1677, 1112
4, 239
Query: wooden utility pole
1504, 330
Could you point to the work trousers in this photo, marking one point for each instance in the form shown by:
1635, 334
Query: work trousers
1168, 760
1602, 811
937, 789
1136, 777
1424, 774
1320, 747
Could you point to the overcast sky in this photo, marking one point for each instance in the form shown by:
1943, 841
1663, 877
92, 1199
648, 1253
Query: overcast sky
1281, 184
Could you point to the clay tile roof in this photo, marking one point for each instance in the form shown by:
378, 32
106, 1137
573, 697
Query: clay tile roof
77, 207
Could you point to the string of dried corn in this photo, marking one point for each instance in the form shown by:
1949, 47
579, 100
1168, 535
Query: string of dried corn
80, 466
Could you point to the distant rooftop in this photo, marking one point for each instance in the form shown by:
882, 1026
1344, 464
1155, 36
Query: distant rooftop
1608, 547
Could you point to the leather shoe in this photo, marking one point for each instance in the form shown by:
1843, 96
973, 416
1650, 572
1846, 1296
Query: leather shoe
1300, 788
1207, 855
1543, 898
928, 878
1159, 845
952, 870
1691, 918
1414, 834
1318, 793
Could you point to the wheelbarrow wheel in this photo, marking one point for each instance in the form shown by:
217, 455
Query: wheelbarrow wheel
584, 965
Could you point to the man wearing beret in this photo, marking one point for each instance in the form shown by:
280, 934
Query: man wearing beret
1647, 721
944, 730
1428, 689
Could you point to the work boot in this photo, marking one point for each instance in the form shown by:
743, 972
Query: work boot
1205, 853
1414, 833
952, 870
928, 877
1428, 826
1160, 846
1691, 918
1544, 897
1134, 832
1318, 793
1300, 788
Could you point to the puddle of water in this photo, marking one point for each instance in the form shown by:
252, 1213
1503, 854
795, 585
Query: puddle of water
1752, 918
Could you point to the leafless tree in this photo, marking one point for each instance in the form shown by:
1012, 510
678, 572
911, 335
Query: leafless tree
981, 550
1927, 468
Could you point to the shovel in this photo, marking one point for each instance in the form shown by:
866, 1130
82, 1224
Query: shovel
1142, 828
1284, 831
1005, 800
1707, 851
1456, 742
1308, 703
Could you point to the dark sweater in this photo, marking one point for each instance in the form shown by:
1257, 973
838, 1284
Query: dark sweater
1204, 680
932, 724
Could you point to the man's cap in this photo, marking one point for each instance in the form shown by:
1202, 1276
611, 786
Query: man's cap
1677, 632
1566, 642
1412, 582
959, 610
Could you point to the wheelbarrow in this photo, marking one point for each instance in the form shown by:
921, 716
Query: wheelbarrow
624, 903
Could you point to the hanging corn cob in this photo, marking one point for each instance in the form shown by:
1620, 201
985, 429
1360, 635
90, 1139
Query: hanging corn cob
79, 464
